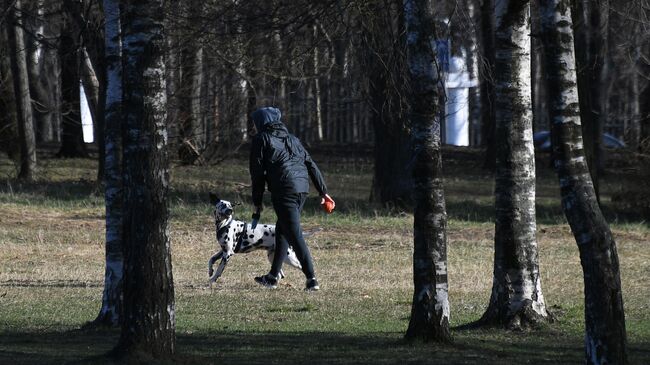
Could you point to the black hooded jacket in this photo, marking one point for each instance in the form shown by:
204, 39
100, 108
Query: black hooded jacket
279, 159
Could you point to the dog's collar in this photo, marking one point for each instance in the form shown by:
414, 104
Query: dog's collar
223, 227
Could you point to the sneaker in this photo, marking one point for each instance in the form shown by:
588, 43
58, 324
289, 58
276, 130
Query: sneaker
312, 285
267, 280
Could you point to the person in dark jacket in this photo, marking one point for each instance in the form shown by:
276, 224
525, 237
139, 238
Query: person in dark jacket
279, 160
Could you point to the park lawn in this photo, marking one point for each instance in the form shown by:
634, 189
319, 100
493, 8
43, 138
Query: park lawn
52, 264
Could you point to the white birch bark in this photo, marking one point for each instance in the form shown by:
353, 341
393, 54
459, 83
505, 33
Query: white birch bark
516, 299
430, 309
148, 325
109, 313
605, 335
473, 55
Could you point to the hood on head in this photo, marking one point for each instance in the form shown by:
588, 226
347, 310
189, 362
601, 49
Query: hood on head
266, 116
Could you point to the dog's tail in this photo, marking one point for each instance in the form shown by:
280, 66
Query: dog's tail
310, 232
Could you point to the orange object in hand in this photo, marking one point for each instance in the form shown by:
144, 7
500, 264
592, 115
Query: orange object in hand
328, 204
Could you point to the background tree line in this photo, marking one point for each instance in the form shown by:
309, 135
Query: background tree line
335, 69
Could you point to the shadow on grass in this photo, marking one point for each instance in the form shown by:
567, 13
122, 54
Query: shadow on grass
227, 347
39, 191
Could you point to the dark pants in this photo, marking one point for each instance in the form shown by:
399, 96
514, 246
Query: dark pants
288, 231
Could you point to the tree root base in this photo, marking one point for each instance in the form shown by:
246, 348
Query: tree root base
526, 318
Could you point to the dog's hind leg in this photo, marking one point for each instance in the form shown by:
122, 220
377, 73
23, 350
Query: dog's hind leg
269, 255
292, 259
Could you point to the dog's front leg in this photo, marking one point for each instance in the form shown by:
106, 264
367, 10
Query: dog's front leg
222, 266
211, 262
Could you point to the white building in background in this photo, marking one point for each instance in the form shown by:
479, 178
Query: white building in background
86, 117
457, 86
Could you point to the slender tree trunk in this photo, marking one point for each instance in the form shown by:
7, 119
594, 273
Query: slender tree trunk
173, 71
644, 95
516, 299
540, 114
591, 18
644, 128
196, 92
242, 103
9, 140
487, 84
317, 91
89, 49
189, 100
111, 310
385, 66
605, 338
634, 131
149, 312
430, 310
43, 71
72, 142
338, 88
96, 95
21, 92
473, 56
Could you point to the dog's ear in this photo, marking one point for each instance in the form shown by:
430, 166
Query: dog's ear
214, 199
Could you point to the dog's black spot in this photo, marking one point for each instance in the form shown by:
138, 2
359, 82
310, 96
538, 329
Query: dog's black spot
266, 233
259, 242
250, 236
265, 226
272, 234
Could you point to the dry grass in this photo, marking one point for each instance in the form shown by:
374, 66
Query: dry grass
52, 262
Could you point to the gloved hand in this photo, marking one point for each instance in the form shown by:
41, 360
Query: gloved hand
327, 203
256, 216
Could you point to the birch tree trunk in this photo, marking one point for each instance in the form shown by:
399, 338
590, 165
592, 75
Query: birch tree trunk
605, 337
591, 18
21, 92
43, 69
430, 310
149, 312
516, 299
111, 309
473, 55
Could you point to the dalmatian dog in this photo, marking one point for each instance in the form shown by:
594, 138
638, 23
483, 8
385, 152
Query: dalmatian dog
236, 236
